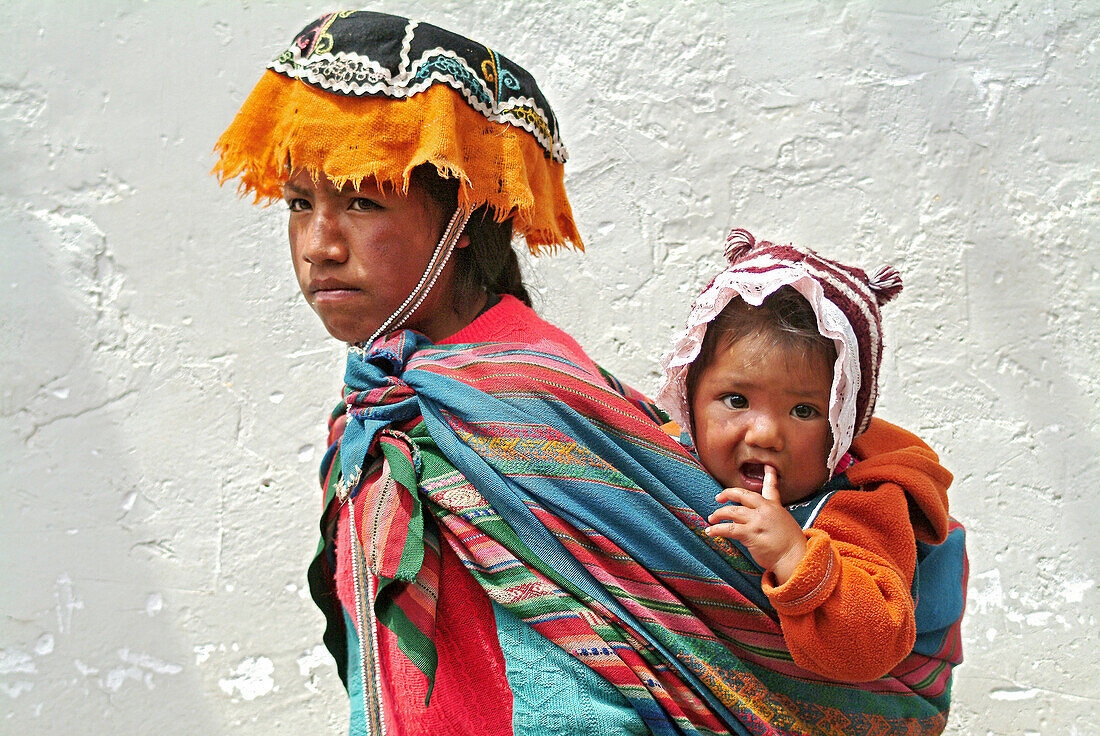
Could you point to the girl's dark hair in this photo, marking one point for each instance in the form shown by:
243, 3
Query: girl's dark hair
488, 263
784, 318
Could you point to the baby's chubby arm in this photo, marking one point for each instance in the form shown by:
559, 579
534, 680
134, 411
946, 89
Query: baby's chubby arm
768, 531
858, 622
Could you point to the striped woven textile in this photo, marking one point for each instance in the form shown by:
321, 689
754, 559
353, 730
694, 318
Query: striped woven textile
573, 510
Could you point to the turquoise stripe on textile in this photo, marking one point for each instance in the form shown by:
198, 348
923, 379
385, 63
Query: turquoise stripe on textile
553, 693
357, 723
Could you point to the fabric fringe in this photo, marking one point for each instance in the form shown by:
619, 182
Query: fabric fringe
286, 123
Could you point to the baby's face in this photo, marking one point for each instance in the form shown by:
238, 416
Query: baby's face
757, 404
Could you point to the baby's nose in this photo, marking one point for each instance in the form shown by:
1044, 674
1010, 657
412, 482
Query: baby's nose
764, 432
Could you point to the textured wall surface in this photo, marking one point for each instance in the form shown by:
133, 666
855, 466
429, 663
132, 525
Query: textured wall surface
164, 386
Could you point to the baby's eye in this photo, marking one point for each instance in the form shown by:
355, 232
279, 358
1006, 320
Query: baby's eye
735, 401
804, 411
297, 204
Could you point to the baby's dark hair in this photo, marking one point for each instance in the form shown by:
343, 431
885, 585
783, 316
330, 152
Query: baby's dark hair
785, 318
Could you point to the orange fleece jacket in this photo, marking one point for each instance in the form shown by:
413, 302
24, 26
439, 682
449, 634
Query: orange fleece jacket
847, 611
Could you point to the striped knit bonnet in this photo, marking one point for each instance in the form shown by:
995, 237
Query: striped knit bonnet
845, 301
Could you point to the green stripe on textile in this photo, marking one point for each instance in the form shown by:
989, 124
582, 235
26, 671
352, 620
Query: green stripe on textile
769, 652
403, 472
808, 698
330, 493
416, 645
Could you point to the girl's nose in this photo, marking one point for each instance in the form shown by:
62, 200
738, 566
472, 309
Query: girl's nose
324, 239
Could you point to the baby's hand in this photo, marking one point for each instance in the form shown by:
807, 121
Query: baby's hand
768, 531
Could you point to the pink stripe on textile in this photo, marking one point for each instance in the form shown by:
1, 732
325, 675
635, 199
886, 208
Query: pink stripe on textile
394, 391
613, 568
457, 361
499, 377
916, 668
625, 668
420, 603
382, 521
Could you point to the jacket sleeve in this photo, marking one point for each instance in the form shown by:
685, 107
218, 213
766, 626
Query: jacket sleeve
847, 612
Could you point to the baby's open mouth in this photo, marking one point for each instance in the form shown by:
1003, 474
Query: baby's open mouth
754, 471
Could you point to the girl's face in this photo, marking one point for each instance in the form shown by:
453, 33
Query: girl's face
358, 252
757, 404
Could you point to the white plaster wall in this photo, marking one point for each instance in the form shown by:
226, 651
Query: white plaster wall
163, 386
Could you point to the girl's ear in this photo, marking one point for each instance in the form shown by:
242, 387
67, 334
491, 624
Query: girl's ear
463, 240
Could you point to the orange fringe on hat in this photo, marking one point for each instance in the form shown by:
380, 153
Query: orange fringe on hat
349, 139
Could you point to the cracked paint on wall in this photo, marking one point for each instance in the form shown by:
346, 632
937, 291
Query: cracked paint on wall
250, 679
165, 387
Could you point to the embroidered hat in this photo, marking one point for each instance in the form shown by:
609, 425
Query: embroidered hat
362, 95
845, 301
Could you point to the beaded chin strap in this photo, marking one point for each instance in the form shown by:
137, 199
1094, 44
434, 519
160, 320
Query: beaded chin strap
366, 622
435, 266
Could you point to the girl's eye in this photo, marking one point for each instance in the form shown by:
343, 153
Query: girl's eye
804, 411
297, 204
362, 204
735, 401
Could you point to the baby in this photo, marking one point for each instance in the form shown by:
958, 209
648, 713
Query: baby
773, 383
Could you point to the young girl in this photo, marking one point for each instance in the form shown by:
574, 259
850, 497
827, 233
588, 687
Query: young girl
773, 383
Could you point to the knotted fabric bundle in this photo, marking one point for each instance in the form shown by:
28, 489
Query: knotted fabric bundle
571, 508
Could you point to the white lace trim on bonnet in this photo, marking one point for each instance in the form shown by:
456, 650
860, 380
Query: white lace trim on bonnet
754, 288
